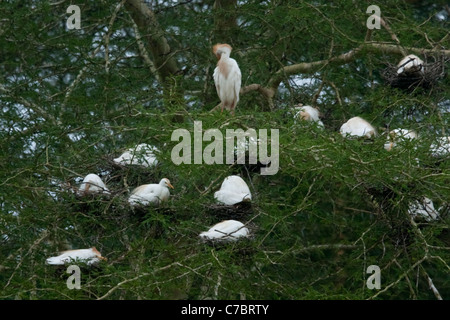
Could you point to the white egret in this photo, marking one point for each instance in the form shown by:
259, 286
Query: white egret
89, 256
150, 193
358, 127
92, 184
399, 135
227, 77
143, 154
409, 65
227, 230
233, 190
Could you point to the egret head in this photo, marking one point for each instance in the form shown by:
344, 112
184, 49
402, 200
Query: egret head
98, 254
222, 48
166, 183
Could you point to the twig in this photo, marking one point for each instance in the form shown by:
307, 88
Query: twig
404, 274
144, 52
93, 54
432, 287
216, 288
44, 235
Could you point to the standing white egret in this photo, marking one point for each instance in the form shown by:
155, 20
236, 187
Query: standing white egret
227, 77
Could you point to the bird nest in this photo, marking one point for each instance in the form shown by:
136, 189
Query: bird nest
432, 73
236, 211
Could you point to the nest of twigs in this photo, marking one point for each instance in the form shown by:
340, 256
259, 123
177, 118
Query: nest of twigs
432, 73
237, 211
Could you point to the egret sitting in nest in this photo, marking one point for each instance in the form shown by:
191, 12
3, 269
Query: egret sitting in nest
227, 230
143, 154
308, 113
233, 190
154, 193
410, 65
358, 127
441, 147
92, 184
398, 136
423, 209
89, 256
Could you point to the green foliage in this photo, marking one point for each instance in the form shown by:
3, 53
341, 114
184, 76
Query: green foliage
335, 206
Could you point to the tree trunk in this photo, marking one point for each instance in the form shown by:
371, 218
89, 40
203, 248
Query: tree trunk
156, 43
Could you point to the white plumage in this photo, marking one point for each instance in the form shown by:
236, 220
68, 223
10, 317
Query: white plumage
92, 184
441, 147
399, 135
410, 64
423, 208
233, 190
89, 256
358, 127
308, 113
228, 230
227, 77
150, 193
143, 154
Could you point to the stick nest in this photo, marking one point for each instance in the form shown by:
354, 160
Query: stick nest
236, 212
432, 73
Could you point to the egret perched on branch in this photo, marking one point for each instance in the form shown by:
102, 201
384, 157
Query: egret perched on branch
227, 77
150, 193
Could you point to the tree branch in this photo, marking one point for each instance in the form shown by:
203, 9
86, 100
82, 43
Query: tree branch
146, 20
311, 67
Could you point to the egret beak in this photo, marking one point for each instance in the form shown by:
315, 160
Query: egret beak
171, 186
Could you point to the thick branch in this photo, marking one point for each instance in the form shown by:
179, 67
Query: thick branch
311, 67
157, 44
